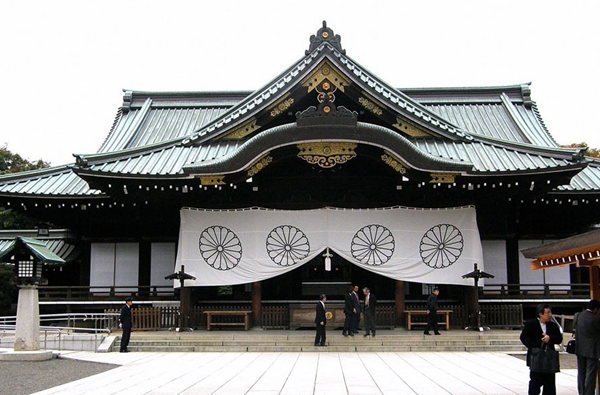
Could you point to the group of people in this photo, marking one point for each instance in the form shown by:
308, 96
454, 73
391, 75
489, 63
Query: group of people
542, 333
352, 311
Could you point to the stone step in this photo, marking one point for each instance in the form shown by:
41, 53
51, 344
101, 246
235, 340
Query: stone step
193, 343
329, 348
262, 341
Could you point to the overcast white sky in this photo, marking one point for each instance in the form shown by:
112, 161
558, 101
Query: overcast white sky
64, 64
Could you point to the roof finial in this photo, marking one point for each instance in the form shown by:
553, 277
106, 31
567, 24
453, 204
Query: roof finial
325, 34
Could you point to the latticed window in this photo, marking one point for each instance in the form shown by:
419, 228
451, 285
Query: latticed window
26, 268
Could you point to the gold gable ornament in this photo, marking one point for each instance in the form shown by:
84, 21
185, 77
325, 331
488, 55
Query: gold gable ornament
325, 71
391, 160
281, 106
327, 154
409, 128
243, 130
212, 180
259, 165
442, 178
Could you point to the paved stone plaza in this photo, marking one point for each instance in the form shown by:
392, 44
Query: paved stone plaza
308, 373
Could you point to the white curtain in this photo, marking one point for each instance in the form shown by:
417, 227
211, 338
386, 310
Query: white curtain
226, 247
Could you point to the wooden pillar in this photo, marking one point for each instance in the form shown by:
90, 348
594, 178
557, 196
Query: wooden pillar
257, 303
594, 283
144, 268
185, 299
400, 302
512, 264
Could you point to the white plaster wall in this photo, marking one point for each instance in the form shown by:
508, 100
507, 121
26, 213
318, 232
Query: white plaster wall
127, 265
494, 261
114, 264
555, 275
102, 265
162, 263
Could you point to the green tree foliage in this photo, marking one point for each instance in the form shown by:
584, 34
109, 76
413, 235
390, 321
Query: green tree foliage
14, 163
593, 152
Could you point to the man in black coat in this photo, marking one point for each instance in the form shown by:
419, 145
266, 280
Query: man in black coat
349, 312
535, 332
369, 312
357, 309
432, 308
125, 324
587, 347
320, 321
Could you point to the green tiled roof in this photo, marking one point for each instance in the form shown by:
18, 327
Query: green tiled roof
36, 247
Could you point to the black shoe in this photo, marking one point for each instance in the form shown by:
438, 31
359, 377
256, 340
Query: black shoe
427, 333
124, 351
437, 333
352, 334
373, 334
345, 334
366, 334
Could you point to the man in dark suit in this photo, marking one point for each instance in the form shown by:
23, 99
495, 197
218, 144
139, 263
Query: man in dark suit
432, 308
320, 321
369, 312
125, 324
349, 313
356, 309
587, 347
535, 332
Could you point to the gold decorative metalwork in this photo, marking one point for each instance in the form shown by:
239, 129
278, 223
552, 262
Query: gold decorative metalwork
369, 105
259, 165
409, 128
212, 180
281, 106
327, 154
442, 178
392, 161
243, 130
326, 71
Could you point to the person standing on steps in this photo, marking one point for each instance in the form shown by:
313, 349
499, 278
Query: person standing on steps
356, 309
320, 321
349, 312
369, 312
432, 308
125, 324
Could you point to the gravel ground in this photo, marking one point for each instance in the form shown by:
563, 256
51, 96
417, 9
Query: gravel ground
567, 361
21, 378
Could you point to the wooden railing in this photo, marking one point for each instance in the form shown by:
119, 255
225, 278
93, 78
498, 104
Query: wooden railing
276, 316
502, 315
83, 292
534, 291
493, 315
152, 292
385, 315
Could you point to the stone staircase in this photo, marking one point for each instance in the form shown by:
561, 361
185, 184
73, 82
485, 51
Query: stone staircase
302, 341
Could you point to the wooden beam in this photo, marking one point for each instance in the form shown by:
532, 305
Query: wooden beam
594, 282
